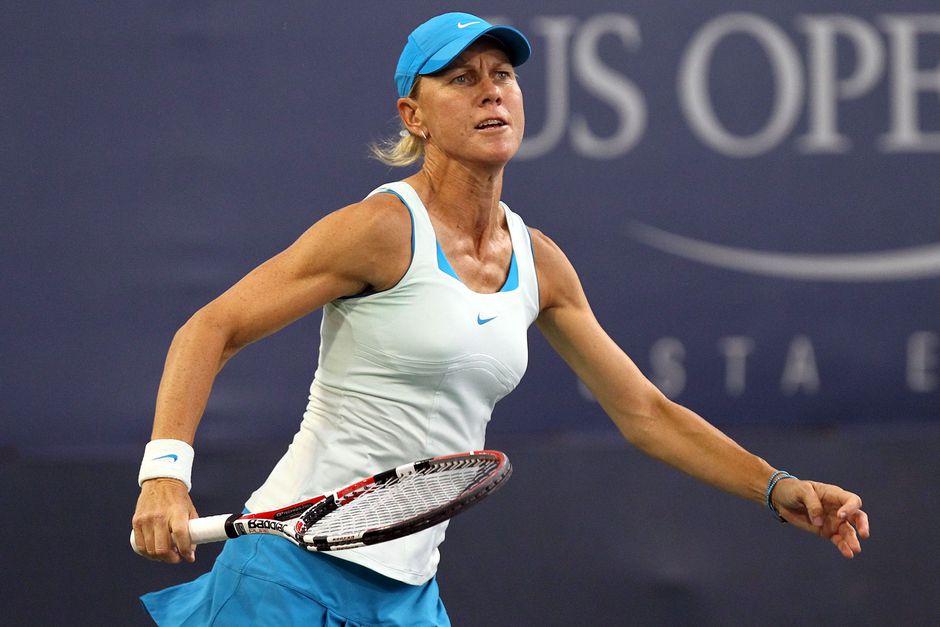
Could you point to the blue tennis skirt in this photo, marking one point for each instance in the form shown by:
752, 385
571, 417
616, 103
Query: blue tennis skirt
262, 579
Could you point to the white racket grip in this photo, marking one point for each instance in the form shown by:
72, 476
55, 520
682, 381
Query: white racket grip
201, 530
208, 529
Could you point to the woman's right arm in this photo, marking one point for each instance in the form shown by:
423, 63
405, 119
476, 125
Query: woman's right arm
363, 246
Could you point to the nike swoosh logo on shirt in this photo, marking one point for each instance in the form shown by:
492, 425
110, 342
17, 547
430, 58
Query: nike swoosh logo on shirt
462, 25
482, 321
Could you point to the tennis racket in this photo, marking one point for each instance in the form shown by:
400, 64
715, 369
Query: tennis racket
389, 505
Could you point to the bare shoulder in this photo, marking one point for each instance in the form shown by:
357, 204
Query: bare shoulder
380, 220
370, 240
542, 243
558, 281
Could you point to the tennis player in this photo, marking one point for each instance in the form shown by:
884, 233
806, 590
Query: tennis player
428, 286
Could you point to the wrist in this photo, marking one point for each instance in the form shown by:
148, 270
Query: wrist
156, 481
167, 459
775, 478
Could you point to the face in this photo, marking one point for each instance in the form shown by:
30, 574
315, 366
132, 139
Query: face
472, 110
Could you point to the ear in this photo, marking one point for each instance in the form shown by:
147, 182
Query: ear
410, 115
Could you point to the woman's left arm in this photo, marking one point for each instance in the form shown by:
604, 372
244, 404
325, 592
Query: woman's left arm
668, 431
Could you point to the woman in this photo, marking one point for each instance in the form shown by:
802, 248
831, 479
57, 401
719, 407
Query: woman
429, 285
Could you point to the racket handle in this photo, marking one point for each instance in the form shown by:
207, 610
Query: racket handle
201, 530
208, 529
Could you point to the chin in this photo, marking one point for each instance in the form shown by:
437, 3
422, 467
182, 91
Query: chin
495, 154
496, 161
501, 154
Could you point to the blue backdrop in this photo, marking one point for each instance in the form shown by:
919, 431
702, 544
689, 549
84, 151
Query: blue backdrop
748, 189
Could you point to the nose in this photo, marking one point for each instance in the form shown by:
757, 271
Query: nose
491, 92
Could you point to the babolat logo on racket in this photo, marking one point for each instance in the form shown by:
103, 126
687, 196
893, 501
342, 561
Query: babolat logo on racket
261, 525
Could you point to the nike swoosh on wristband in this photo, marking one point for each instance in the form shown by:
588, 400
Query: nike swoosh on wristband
482, 321
172, 457
462, 25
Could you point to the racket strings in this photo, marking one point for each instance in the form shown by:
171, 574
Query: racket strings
404, 498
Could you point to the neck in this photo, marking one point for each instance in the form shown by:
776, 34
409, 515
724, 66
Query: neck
464, 196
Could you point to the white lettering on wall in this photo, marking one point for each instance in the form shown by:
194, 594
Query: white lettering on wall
907, 81
923, 357
799, 370
735, 349
825, 87
666, 359
696, 101
570, 48
609, 86
556, 31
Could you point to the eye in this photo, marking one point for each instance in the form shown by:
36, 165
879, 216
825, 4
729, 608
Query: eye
461, 79
503, 75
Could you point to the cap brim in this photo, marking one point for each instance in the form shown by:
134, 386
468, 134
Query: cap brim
516, 46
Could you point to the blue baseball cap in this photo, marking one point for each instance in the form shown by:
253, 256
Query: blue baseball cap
437, 42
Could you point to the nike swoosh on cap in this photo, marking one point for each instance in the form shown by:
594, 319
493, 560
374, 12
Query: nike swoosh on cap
462, 25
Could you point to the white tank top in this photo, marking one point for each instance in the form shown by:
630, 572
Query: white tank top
405, 374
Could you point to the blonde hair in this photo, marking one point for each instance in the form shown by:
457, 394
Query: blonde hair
401, 149
398, 150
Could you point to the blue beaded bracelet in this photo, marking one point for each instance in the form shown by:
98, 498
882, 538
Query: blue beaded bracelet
771, 484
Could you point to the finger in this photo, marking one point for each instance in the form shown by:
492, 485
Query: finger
140, 545
814, 508
181, 538
851, 503
843, 547
163, 547
850, 538
860, 522
841, 541
192, 514
149, 544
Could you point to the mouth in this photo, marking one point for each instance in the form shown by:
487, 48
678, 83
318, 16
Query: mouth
491, 123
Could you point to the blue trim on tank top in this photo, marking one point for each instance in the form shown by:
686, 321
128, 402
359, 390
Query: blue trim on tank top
512, 280
538, 292
442, 263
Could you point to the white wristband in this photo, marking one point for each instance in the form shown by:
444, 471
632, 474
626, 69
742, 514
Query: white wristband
171, 459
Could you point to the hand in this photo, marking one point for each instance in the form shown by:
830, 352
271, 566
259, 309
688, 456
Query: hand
825, 510
161, 522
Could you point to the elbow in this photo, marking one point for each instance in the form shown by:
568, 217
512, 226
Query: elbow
641, 418
211, 332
